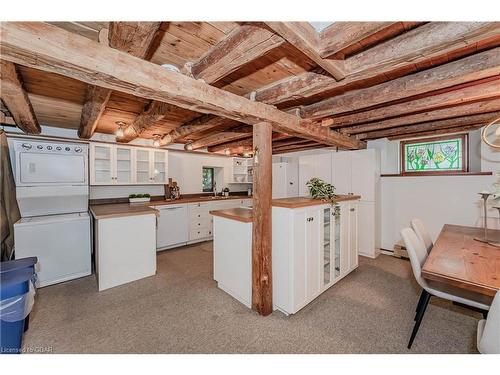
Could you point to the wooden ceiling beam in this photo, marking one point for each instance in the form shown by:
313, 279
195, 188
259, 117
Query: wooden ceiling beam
303, 37
458, 111
16, 99
434, 38
201, 124
474, 91
243, 45
49, 48
295, 148
458, 129
135, 38
484, 119
479, 66
221, 137
346, 38
242, 143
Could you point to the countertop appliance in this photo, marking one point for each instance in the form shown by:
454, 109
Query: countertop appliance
52, 192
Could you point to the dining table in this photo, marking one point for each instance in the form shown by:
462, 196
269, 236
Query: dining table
458, 259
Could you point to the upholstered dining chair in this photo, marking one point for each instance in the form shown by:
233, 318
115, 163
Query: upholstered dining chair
418, 254
488, 330
422, 233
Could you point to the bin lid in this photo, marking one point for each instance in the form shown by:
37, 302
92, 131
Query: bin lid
13, 265
14, 283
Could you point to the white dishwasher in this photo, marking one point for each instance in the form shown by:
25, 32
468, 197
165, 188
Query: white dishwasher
172, 227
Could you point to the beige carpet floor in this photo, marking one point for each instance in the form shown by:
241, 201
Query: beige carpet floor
180, 310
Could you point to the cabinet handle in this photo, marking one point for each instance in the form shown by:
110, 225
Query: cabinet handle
310, 219
352, 210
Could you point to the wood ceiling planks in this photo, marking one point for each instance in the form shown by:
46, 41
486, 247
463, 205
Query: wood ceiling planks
283, 76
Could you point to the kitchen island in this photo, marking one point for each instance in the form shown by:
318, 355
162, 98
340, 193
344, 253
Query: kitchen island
314, 245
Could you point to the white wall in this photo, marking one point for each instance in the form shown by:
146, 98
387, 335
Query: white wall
185, 168
436, 199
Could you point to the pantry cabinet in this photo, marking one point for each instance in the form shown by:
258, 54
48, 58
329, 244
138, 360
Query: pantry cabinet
113, 164
313, 248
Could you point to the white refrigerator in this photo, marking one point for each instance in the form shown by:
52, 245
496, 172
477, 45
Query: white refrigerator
285, 180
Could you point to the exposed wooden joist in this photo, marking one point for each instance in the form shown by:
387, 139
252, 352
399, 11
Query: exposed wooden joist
346, 38
200, 124
416, 45
242, 143
224, 136
303, 37
96, 99
262, 271
482, 65
6, 120
45, 47
303, 148
243, 45
135, 38
458, 129
289, 142
304, 143
458, 111
16, 98
484, 118
154, 112
475, 92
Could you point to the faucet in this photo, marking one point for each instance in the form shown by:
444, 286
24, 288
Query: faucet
215, 189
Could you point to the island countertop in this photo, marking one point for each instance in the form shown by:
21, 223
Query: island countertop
299, 202
245, 215
108, 211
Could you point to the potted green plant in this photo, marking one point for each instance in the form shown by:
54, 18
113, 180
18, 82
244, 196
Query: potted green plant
320, 189
135, 198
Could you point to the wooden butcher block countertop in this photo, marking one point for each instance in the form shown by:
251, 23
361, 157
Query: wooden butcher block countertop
298, 202
108, 211
111, 210
245, 215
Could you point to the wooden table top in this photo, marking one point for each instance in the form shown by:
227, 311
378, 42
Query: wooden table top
299, 202
459, 260
245, 215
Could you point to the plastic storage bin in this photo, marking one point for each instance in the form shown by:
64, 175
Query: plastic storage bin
16, 300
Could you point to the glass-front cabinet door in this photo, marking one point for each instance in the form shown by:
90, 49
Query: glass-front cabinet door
336, 251
102, 163
142, 165
160, 163
326, 247
123, 165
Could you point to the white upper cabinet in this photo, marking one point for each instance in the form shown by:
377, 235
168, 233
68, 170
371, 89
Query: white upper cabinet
317, 165
113, 164
285, 180
356, 172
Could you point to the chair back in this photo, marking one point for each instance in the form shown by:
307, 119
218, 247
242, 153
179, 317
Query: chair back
490, 339
422, 233
417, 253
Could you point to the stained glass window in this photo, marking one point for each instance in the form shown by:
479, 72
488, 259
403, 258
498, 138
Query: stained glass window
433, 155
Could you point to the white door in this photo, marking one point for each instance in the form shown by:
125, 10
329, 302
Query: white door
306, 172
323, 167
143, 166
353, 236
279, 180
123, 165
363, 173
367, 222
313, 263
102, 164
341, 172
292, 180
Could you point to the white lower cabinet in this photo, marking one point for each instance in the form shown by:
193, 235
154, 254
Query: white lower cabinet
312, 249
187, 223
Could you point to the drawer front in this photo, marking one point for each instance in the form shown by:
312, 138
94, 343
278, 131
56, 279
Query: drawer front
199, 224
199, 215
198, 234
200, 206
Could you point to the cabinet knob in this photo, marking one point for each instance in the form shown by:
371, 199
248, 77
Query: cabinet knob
352, 210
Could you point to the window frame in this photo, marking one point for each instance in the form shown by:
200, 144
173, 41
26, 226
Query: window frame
213, 179
465, 155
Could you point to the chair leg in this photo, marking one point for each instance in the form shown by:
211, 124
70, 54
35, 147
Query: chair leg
422, 295
420, 315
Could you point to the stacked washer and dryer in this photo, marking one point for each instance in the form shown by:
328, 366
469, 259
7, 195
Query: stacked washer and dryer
52, 192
